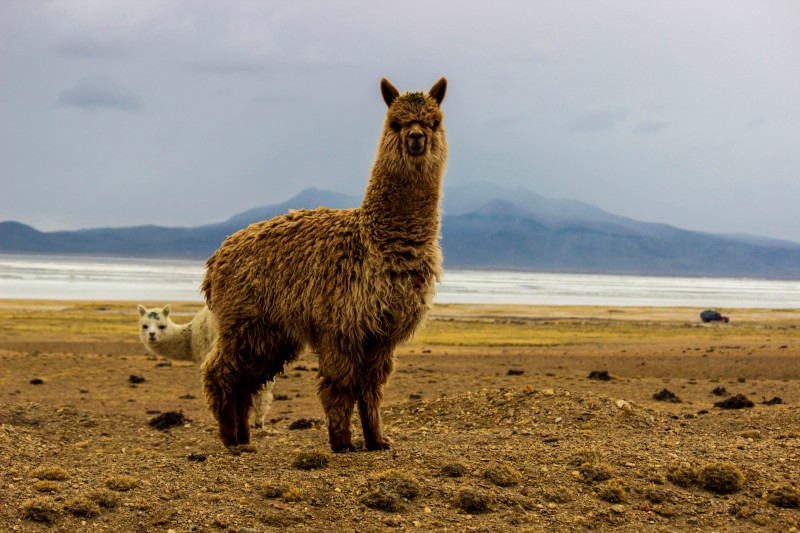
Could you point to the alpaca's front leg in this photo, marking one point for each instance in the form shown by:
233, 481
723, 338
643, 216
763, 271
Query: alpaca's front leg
338, 404
217, 388
369, 405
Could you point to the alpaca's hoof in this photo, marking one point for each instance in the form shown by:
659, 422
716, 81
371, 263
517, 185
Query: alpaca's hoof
349, 448
378, 446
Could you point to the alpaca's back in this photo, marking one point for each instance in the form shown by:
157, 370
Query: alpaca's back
310, 271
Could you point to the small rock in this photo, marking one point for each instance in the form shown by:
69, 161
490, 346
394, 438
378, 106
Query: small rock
739, 401
600, 375
665, 395
774, 401
625, 406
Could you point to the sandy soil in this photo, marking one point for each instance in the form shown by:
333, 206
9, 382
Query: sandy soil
496, 425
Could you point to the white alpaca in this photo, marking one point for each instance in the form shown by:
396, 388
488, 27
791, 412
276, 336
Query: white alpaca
190, 342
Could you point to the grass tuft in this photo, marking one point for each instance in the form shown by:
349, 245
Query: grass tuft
46, 485
681, 474
613, 491
786, 497
454, 470
310, 460
104, 498
596, 471
723, 478
41, 509
82, 506
474, 501
121, 483
403, 484
503, 475
53, 473
382, 501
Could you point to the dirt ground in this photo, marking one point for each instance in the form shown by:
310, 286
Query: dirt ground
496, 424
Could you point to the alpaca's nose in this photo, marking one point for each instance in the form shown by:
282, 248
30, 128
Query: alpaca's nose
416, 135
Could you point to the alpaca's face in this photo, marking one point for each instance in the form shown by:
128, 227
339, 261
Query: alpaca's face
414, 120
415, 126
154, 325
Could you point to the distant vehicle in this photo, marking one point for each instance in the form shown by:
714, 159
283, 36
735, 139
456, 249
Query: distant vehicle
713, 316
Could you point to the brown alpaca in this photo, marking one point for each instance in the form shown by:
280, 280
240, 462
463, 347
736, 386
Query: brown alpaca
351, 284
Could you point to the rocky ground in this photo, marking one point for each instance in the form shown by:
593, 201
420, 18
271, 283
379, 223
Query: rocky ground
610, 424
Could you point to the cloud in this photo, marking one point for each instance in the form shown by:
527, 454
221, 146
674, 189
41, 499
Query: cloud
99, 94
93, 48
594, 121
647, 127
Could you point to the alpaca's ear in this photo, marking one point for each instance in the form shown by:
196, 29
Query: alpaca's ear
166, 310
142, 310
388, 91
438, 90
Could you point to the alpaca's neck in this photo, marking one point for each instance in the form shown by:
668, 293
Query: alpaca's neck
177, 344
401, 207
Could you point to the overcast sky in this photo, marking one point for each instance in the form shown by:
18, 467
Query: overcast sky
179, 113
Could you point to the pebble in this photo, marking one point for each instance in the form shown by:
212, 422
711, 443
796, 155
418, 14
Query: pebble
625, 406
619, 508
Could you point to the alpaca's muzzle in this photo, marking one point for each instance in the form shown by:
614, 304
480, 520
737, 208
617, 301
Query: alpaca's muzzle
415, 141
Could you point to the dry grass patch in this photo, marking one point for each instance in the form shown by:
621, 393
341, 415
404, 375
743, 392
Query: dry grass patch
310, 460
287, 493
82, 506
503, 475
52, 473
595, 471
454, 470
723, 478
612, 491
786, 497
104, 498
46, 485
401, 483
474, 501
382, 501
681, 474
121, 483
41, 509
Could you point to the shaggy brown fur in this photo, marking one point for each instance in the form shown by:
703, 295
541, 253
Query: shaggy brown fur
351, 284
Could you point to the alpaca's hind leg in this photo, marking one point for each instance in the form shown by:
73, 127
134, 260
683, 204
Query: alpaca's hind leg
370, 396
369, 404
338, 404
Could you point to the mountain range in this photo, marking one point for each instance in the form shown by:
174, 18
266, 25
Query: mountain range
483, 227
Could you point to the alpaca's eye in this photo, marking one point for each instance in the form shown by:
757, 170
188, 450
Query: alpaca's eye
144, 326
435, 124
162, 327
396, 126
